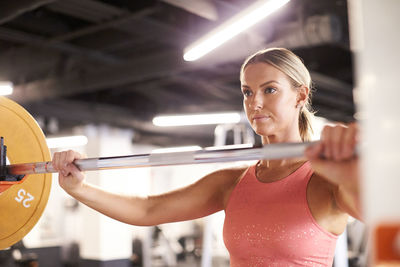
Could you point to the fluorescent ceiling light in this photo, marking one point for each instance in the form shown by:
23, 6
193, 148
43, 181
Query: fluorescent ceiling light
176, 149
232, 27
6, 88
198, 119
67, 141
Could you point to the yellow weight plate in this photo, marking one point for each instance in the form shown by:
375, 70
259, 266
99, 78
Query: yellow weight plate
22, 204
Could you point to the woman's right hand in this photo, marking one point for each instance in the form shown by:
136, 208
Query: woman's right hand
70, 177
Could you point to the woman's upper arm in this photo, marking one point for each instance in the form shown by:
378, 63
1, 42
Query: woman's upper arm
204, 197
348, 202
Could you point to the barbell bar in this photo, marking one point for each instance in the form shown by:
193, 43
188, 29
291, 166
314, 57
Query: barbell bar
268, 152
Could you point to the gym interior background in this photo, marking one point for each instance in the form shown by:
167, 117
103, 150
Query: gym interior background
104, 69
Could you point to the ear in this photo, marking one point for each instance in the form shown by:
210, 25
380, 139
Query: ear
302, 95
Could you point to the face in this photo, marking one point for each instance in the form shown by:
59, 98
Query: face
270, 101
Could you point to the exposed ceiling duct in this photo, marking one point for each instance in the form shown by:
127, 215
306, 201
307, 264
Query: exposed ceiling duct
13, 9
203, 8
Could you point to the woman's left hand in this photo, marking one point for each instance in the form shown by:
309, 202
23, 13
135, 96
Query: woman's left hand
334, 157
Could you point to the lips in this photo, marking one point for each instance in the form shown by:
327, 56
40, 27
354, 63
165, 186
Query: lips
260, 117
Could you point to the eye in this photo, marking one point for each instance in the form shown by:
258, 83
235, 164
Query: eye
269, 90
246, 92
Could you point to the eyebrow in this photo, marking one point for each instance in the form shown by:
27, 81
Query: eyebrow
263, 84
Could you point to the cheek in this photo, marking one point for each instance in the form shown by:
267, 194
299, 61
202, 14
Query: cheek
246, 111
287, 103
245, 105
282, 109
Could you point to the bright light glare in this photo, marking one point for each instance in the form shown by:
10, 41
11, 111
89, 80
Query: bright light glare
318, 124
198, 119
232, 27
176, 149
6, 88
67, 141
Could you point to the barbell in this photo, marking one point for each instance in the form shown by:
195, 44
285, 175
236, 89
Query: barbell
25, 183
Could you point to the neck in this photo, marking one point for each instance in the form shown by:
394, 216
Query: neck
273, 139
276, 164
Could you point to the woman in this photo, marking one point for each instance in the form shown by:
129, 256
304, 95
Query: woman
278, 213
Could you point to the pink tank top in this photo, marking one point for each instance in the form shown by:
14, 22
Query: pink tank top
270, 224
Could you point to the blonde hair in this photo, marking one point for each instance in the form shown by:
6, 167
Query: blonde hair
290, 64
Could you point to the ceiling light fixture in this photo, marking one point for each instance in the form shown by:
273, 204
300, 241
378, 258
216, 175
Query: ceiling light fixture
6, 88
239, 23
197, 119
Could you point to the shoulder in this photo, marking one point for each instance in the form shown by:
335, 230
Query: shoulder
322, 203
228, 179
233, 171
319, 185
322, 191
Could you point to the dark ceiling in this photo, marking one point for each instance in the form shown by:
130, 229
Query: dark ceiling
119, 62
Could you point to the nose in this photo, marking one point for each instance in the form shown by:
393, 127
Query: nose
257, 101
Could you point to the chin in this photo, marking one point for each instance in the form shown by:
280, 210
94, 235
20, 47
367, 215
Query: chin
263, 131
